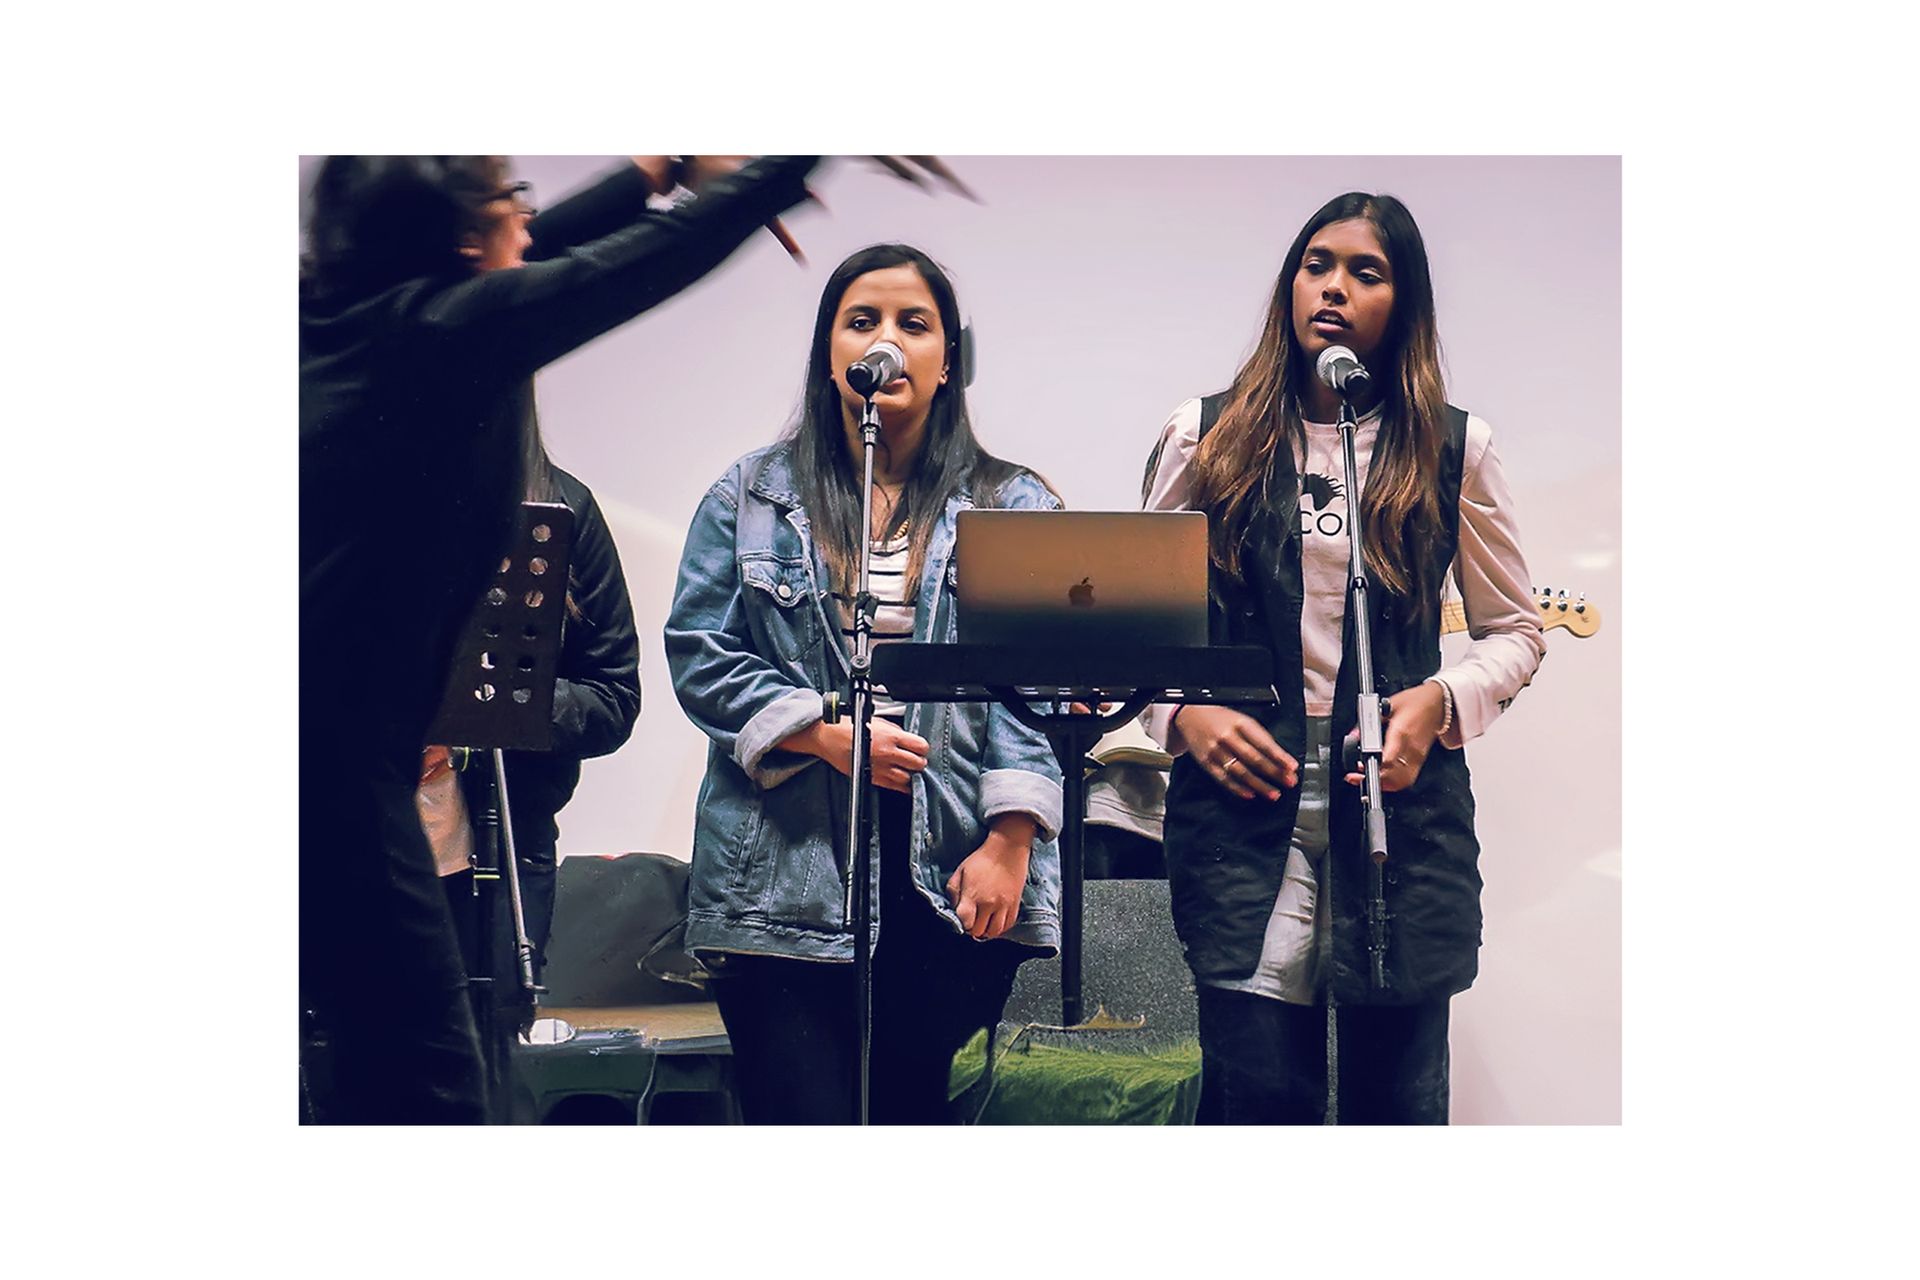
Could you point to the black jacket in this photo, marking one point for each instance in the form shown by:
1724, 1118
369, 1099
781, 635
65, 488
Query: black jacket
413, 404
595, 702
597, 697
1225, 855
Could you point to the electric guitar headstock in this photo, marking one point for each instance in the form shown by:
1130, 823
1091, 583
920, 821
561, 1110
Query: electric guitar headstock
1557, 609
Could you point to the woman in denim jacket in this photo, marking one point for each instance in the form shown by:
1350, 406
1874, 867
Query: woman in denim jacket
967, 800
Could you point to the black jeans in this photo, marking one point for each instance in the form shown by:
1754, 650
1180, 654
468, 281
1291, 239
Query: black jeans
536, 891
792, 1024
1112, 853
1263, 1061
389, 1036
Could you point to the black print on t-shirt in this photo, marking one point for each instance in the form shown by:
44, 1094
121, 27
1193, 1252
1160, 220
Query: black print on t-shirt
1322, 490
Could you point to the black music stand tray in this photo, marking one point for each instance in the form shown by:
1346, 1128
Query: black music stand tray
1017, 676
500, 697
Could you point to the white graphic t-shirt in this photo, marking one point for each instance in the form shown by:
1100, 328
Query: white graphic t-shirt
1323, 548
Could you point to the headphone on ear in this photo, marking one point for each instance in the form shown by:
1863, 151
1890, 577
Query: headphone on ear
963, 351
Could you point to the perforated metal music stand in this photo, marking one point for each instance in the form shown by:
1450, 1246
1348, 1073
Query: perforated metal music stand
500, 697
500, 687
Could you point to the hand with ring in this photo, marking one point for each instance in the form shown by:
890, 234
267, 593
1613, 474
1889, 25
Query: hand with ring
1236, 751
1412, 727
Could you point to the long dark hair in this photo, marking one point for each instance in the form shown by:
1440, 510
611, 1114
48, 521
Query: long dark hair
1400, 510
950, 457
544, 486
377, 221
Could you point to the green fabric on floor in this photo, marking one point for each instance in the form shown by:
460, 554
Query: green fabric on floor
1047, 1084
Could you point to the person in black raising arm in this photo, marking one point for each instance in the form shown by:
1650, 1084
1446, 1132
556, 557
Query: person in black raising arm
416, 360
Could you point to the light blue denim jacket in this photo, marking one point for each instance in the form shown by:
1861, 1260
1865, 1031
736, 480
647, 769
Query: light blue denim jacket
752, 646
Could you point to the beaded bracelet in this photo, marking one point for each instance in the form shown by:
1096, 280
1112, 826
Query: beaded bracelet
1446, 702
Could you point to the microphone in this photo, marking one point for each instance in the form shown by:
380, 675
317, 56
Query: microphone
1340, 369
882, 364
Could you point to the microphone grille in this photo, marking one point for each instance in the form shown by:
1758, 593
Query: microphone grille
1323, 367
1328, 368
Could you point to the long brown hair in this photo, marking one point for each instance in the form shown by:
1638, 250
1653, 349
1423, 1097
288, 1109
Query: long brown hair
1400, 511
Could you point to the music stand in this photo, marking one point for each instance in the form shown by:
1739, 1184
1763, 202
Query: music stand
499, 697
1016, 676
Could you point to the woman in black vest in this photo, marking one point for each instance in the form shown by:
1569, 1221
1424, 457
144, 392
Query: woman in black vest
1264, 844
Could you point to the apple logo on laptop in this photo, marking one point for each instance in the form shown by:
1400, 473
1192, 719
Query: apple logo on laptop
1080, 596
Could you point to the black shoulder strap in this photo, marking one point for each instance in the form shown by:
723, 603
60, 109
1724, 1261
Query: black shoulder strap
1453, 465
1209, 410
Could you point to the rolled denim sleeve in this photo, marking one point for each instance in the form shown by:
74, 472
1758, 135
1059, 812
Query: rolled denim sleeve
1023, 790
755, 747
743, 702
1021, 774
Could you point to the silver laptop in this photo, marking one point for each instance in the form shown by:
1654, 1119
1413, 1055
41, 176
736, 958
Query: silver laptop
1095, 578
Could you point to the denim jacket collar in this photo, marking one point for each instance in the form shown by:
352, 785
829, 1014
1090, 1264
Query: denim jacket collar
773, 478
773, 481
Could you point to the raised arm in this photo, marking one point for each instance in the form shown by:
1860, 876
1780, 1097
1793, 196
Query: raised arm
504, 325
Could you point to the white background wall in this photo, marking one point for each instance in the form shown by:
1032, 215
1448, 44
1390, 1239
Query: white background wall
1103, 291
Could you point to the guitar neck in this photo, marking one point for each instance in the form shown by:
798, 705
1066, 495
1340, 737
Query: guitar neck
1581, 617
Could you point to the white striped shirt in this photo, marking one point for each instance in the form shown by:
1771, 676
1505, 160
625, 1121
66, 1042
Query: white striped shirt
894, 606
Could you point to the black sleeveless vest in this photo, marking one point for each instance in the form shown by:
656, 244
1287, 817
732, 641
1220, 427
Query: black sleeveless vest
1225, 855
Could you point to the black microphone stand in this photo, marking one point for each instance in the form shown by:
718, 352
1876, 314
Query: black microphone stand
859, 808
499, 697
494, 849
1372, 708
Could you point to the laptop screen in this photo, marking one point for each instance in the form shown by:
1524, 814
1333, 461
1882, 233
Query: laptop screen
1107, 579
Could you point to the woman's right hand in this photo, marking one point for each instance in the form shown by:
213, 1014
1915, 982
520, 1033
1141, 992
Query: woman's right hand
664, 173
894, 754
1236, 750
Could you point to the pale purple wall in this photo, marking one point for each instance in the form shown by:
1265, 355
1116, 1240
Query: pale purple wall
1104, 291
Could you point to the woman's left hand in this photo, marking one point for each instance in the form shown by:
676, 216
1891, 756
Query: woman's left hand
1412, 727
985, 889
